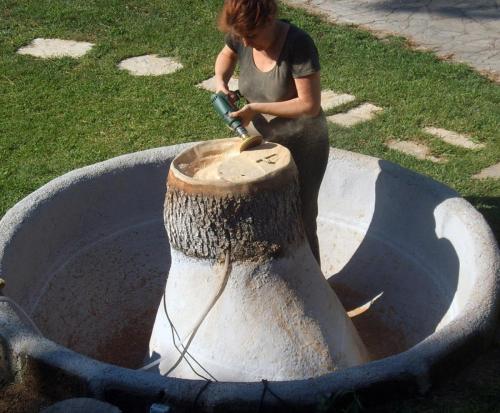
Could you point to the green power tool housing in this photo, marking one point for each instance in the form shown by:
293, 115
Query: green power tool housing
223, 107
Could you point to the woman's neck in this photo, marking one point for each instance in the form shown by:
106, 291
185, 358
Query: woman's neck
278, 31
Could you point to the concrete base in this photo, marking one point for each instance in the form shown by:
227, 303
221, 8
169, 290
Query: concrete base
87, 257
277, 320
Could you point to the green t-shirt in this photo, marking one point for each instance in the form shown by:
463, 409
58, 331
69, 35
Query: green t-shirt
298, 58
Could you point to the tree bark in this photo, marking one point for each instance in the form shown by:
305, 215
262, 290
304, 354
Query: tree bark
250, 225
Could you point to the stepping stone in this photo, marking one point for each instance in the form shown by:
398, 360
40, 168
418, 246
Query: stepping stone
49, 48
418, 150
362, 113
453, 138
209, 84
489, 172
150, 65
330, 99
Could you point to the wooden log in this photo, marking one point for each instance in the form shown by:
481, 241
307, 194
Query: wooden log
235, 210
245, 299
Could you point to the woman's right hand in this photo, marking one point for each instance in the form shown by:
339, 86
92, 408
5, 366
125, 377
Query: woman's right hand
232, 96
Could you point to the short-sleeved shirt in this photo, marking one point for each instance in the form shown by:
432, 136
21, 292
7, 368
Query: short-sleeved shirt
298, 58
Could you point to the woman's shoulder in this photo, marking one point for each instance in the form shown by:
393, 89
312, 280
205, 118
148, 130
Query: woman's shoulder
297, 36
301, 52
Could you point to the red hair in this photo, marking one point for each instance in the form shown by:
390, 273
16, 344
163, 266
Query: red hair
244, 16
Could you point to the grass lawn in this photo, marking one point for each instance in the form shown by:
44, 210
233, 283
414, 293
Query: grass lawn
60, 114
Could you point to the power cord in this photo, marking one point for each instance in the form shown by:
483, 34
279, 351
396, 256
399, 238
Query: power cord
192, 334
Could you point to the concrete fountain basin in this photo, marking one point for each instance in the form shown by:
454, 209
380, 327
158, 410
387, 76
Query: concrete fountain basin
86, 256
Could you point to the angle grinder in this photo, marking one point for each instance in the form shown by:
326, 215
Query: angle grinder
224, 107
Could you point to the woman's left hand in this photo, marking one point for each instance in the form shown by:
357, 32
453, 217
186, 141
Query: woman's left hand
246, 114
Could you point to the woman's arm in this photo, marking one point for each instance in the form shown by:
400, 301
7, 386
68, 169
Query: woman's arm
307, 102
224, 68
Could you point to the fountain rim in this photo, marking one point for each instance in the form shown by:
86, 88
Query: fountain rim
416, 367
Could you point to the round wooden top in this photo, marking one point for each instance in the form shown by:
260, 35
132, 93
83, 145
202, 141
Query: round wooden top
219, 166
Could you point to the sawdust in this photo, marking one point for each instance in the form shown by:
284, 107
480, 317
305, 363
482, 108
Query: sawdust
231, 165
205, 168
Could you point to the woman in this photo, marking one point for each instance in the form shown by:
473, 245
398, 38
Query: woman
280, 78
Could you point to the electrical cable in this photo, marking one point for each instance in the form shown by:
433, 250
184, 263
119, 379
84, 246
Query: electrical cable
264, 390
204, 387
202, 318
268, 389
174, 330
191, 335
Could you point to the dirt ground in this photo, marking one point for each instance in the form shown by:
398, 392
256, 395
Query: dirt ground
476, 389
20, 398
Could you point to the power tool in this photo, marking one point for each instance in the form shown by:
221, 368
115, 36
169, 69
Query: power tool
224, 107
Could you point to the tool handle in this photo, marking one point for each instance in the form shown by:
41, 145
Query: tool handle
223, 107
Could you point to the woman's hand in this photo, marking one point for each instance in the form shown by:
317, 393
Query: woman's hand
246, 114
223, 88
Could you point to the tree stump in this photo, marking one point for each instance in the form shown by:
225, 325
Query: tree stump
245, 299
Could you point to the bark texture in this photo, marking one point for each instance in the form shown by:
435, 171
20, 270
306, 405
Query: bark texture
252, 226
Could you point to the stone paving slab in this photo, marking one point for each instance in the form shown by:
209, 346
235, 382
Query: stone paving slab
453, 138
466, 30
331, 99
362, 113
150, 65
209, 84
416, 149
54, 48
490, 172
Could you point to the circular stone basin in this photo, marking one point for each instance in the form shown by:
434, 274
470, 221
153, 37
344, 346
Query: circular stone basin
87, 257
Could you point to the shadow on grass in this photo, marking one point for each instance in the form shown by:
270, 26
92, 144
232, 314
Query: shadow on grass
476, 389
490, 208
